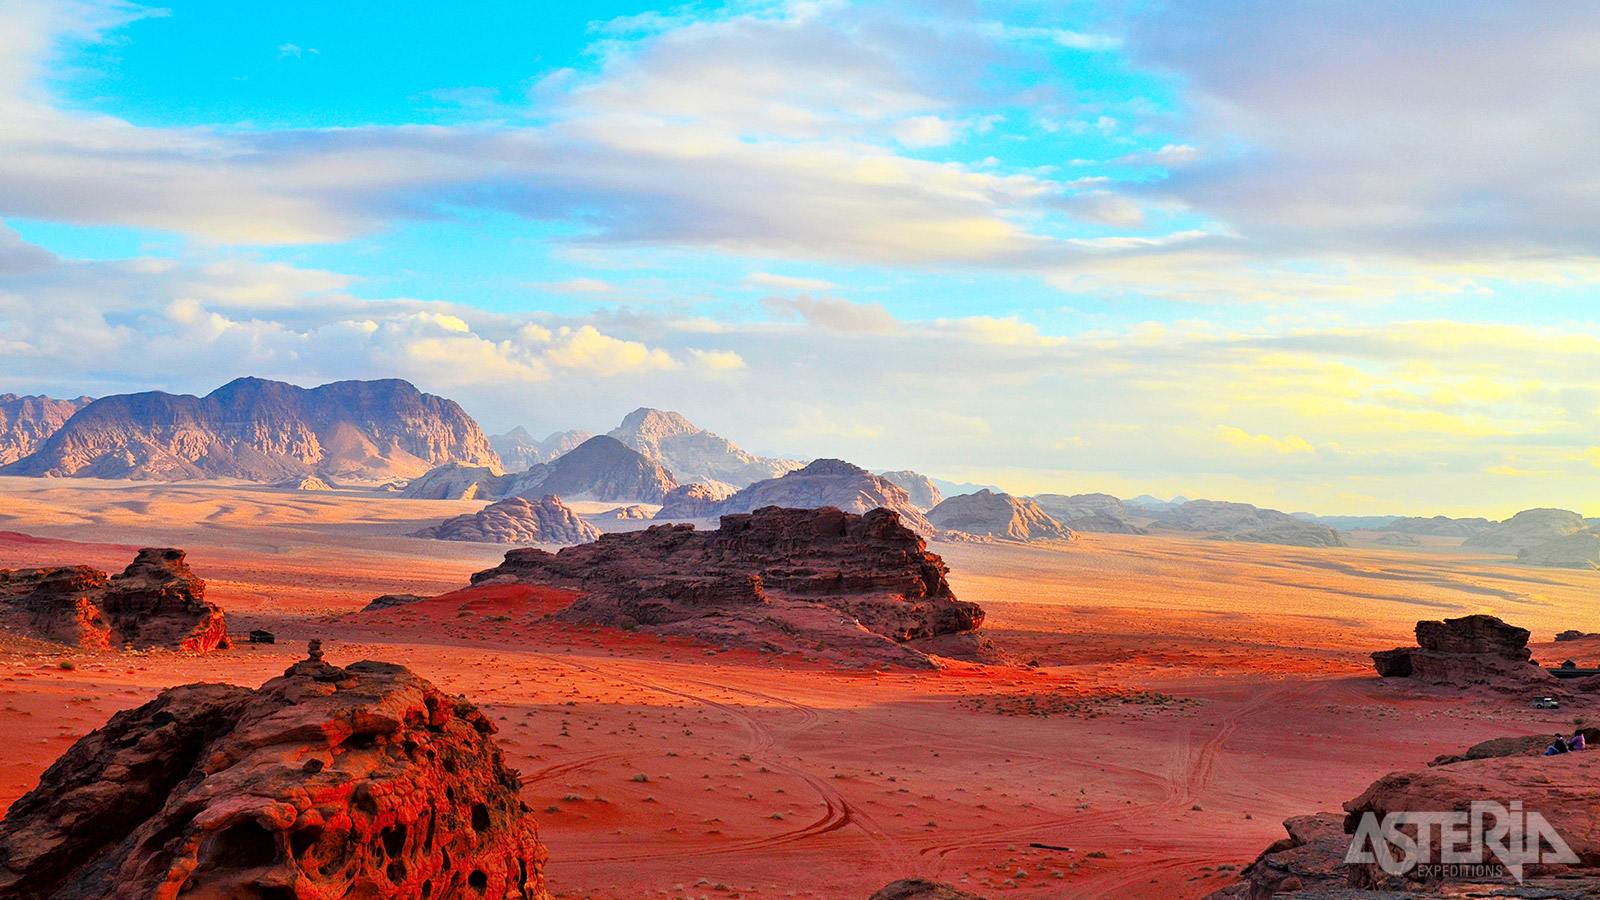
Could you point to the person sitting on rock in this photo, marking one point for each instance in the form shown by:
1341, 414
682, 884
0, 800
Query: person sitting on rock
1560, 746
1577, 741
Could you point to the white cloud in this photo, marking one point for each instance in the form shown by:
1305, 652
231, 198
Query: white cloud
833, 313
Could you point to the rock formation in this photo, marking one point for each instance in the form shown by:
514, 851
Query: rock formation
923, 492
601, 468
828, 482
775, 579
27, 422
1525, 530
987, 514
918, 889
516, 521
454, 482
626, 512
1099, 513
1579, 550
1438, 526
364, 781
694, 501
156, 602
1310, 863
1311, 857
519, 451
1243, 522
693, 454
263, 431
1472, 651
308, 483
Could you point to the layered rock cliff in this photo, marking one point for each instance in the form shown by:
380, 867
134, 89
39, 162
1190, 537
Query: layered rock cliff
988, 514
27, 422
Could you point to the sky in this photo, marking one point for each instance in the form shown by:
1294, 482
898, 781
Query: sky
1329, 256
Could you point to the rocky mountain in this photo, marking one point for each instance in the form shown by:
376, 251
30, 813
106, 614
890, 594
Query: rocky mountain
693, 454
516, 521
1101, 513
1438, 526
454, 482
263, 431
363, 781
1347, 523
1151, 504
1579, 550
1525, 530
695, 501
155, 602
1243, 522
987, 514
828, 482
601, 468
775, 579
27, 422
520, 451
924, 493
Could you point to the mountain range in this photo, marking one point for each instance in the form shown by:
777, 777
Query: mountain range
263, 431
520, 451
694, 454
601, 468
27, 422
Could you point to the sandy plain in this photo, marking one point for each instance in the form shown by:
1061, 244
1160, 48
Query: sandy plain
1190, 694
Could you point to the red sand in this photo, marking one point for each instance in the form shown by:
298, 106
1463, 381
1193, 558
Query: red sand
768, 776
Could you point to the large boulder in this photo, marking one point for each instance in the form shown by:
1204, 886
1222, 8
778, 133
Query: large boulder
157, 601
920, 889
774, 579
365, 781
1471, 651
516, 521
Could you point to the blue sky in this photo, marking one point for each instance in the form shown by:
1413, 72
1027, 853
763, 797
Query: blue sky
1329, 256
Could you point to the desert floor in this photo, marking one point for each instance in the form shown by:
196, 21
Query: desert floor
1190, 695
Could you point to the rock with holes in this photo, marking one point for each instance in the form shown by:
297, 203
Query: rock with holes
155, 602
364, 781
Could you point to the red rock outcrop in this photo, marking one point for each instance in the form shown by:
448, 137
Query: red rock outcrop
1472, 651
774, 578
157, 601
325, 783
1312, 856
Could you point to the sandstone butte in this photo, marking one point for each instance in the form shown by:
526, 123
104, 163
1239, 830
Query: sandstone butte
327, 782
772, 579
157, 601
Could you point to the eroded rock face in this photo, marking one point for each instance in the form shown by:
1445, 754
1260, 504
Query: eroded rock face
1438, 526
988, 514
1243, 522
516, 521
520, 451
27, 422
364, 781
772, 579
924, 493
157, 601
1095, 513
1471, 651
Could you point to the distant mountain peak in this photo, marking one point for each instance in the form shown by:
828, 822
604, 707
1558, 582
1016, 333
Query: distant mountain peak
692, 453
